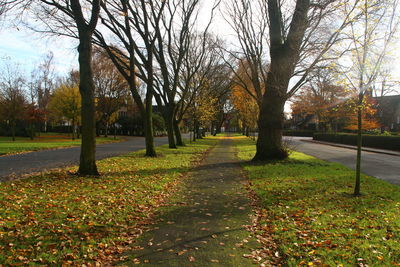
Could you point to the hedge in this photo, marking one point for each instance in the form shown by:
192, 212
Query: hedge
375, 141
301, 133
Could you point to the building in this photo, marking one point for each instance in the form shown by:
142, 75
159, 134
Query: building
389, 112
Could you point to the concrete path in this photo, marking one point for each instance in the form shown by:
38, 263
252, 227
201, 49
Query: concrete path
382, 166
205, 226
19, 164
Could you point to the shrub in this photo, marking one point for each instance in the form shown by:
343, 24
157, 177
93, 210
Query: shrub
302, 133
375, 141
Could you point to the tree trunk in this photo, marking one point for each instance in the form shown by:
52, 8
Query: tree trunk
13, 130
247, 131
218, 129
106, 130
197, 130
87, 164
284, 53
357, 187
194, 131
32, 131
178, 135
148, 123
317, 128
270, 125
170, 130
73, 130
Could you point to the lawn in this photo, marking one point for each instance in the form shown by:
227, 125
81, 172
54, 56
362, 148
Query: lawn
48, 141
58, 218
308, 210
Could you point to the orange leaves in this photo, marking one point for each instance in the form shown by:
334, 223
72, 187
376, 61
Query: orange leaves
369, 119
56, 218
243, 96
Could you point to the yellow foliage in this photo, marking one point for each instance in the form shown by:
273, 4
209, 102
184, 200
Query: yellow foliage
66, 103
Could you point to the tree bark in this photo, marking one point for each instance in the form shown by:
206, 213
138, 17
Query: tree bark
170, 129
178, 135
13, 130
32, 131
194, 131
73, 129
149, 131
197, 129
284, 54
106, 130
357, 187
87, 164
270, 125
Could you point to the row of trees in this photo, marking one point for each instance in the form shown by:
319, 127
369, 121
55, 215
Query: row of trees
158, 46
156, 50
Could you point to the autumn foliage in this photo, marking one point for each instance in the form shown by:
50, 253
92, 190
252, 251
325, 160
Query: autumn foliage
324, 102
330, 105
244, 97
369, 118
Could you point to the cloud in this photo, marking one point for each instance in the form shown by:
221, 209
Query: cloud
27, 49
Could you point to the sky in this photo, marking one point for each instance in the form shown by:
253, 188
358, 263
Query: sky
27, 49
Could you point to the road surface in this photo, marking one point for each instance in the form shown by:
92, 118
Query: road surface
20, 164
382, 166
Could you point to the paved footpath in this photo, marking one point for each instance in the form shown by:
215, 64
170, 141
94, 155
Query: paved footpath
205, 227
49, 159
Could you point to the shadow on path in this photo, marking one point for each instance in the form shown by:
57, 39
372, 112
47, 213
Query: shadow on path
205, 224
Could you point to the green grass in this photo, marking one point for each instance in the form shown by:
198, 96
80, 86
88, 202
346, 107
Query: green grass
57, 218
309, 210
225, 134
25, 144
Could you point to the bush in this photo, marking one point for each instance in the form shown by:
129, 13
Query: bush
375, 141
301, 133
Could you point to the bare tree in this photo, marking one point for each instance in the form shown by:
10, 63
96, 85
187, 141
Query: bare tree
78, 20
42, 84
174, 35
7, 5
131, 48
199, 63
249, 59
292, 38
12, 97
111, 88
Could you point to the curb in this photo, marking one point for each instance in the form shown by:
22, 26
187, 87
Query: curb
353, 148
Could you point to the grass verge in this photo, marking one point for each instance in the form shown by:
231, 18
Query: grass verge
23, 144
308, 210
56, 218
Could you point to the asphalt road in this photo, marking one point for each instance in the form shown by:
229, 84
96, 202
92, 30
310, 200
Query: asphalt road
49, 159
385, 167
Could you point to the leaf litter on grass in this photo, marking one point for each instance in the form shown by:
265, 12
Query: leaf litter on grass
307, 210
56, 218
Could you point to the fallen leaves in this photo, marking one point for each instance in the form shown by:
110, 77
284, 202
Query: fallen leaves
56, 218
305, 214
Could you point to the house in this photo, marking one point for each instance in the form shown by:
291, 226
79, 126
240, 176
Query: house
389, 112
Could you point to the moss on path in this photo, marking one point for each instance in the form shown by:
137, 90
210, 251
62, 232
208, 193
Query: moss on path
205, 225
